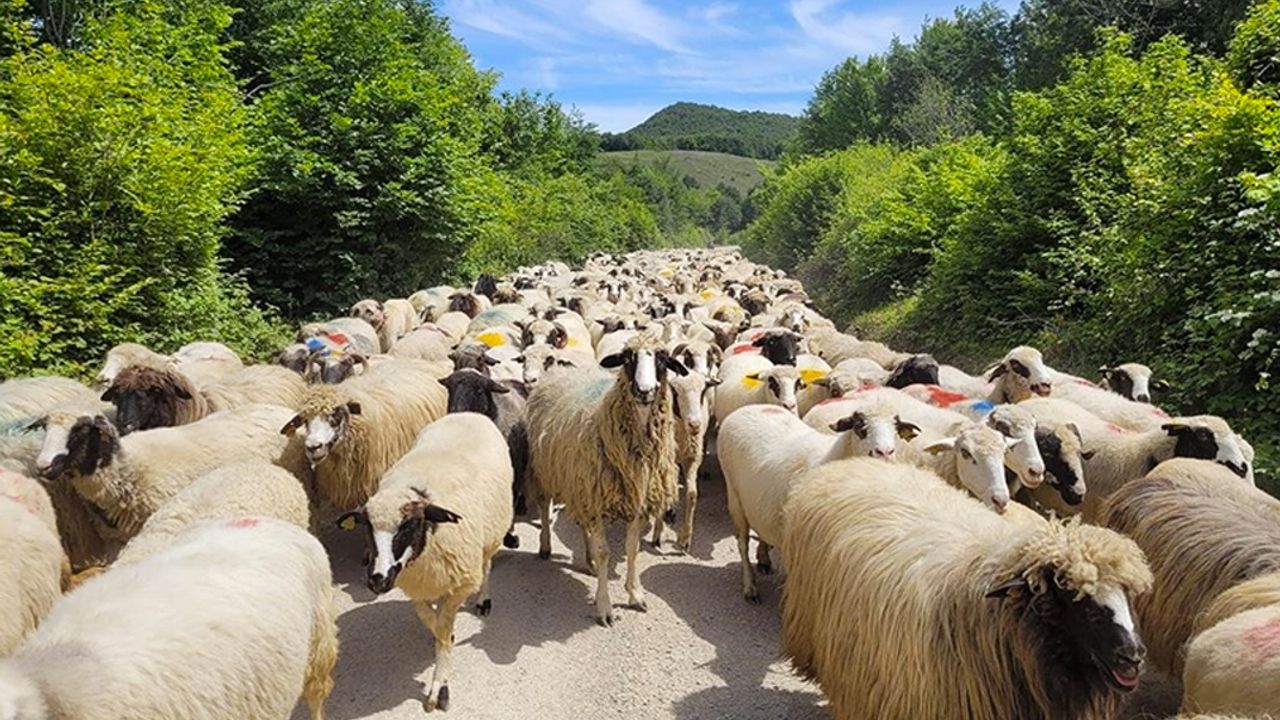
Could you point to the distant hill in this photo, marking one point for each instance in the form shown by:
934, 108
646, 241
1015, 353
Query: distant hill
708, 168
690, 126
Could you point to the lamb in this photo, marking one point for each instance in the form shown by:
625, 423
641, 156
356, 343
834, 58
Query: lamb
236, 490
763, 449
1132, 381
357, 430
32, 564
691, 403
392, 319
504, 404
752, 380
605, 446
907, 600
148, 397
151, 640
125, 479
1116, 456
1203, 531
434, 525
1128, 414
1231, 664
27, 397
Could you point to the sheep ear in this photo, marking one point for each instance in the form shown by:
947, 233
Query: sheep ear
997, 371
350, 520
822, 382
1175, 429
712, 382
907, 431
181, 392
353, 407
38, 424
1105, 372
1003, 589
615, 360
1075, 429
110, 395
1011, 442
294, 423
940, 446
676, 367
497, 387
491, 362
1160, 385
436, 514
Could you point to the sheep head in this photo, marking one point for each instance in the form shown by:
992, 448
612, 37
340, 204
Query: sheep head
979, 457
1132, 380
874, 431
915, 370
1021, 374
369, 311
397, 529
1024, 457
148, 397
1207, 437
327, 417
88, 444
645, 363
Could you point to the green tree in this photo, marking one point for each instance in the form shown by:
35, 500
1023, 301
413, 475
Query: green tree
1254, 56
845, 107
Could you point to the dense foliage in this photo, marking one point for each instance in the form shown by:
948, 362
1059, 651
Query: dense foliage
690, 126
1131, 212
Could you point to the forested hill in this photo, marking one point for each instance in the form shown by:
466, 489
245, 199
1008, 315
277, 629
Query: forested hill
690, 126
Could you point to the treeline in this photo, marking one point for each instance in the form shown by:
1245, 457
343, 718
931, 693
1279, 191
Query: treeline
172, 171
1126, 207
690, 126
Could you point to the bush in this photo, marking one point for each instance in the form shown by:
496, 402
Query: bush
1254, 55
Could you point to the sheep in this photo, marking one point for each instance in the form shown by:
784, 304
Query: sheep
504, 404
26, 397
1115, 456
1238, 624
432, 302
955, 380
915, 370
1109, 406
1203, 531
691, 404
352, 331
426, 342
205, 363
907, 600
1019, 375
605, 446
835, 347
392, 319
469, 303
32, 564
153, 640
1131, 381
699, 356
125, 354
1062, 449
434, 525
355, 431
148, 397
763, 449
123, 480
454, 324
504, 315
253, 487
751, 380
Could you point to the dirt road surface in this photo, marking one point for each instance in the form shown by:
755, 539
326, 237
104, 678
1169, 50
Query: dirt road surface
699, 653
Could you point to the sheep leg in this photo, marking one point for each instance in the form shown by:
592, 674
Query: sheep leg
588, 549
743, 532
544, 538
658, 526
684, 540
635, 593
599, 547
439, 695
324, 656
763, 563
484, 605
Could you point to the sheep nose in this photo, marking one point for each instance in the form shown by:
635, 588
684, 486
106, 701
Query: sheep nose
1143, 398
1000, 504
886, 454
1041, 389
695, 426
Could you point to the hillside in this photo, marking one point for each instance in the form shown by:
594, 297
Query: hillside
708, 168
690, 126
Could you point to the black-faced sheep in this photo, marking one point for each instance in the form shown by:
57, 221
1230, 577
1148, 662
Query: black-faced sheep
1132, 381
907, 600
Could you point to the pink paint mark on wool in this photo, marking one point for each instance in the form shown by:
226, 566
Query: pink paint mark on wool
1112, 427
244, 522
1157, 412
773, 410
1264, 640
829, 401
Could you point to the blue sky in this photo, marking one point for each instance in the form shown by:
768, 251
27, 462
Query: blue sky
618, 61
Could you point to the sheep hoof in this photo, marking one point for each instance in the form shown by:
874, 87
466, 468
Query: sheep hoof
485, 607
639, 605
440, 701
669, 516
605, 621
752, 596
657, 542
764, 568
511, 541
544, 554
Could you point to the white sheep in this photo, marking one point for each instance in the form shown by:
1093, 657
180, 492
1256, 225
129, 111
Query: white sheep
24, 398
355, 431
392, 319
205, 363
763, 449
1114, 408
235, 490
426, 342
751, 379
907, 600
125, 479
235, 620
434, 525
1239, 624
691, 403
605, 446
346, 331
32, 564
432, 302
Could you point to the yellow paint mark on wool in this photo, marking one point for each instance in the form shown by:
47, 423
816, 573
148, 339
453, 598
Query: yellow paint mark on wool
750, 383
492, 339
573, 342
808, 376
708, 294
666, 272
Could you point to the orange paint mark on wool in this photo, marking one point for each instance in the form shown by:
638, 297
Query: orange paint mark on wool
244, 522
1264, 641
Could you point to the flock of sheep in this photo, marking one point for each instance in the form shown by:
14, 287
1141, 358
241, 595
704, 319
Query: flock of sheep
1017, 544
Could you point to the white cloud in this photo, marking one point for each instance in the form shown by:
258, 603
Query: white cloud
853, 33
618, 117
640, 21
502, 19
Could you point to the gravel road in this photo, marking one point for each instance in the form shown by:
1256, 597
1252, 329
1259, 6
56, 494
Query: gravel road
700, 652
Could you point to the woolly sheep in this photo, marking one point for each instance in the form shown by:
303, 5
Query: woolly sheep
357, 430
752, 380
205, 363
763, 449
1203, 531
123, 355
454, 324
151, 640
434, 525
691, 404
358, 333
148, 397
236, 490
469, 303
31, 566
392, 319
907, 600
27, 397
1130, 415
426, 342
836, 347
1232, 665
958, 381
1115, 456
125, 479
1019, 375
432, 302
605, 446
1132, 381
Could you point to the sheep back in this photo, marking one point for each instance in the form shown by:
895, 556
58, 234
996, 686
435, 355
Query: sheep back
30, 570
31, 397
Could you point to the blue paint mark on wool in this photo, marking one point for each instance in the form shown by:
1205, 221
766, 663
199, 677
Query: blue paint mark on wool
597, 388
983, 406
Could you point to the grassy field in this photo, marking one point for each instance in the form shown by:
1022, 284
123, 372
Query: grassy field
708, 168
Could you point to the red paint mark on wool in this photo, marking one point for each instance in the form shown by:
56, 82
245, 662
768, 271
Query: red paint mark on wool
943, 398
1086, 383
829, 401
244, 522
1264, 640
743, 348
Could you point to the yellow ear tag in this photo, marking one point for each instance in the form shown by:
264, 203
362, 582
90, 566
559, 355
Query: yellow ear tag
492, 339
751, 383
348, 523
808, 376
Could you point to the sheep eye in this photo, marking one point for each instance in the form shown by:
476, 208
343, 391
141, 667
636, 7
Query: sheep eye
966, 455
1019, 368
